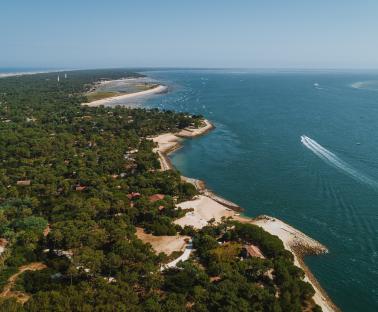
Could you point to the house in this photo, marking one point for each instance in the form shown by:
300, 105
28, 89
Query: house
156, 197
23, 182
250, 251
80, 188
133, 195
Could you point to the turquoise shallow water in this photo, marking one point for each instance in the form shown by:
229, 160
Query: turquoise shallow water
326, 186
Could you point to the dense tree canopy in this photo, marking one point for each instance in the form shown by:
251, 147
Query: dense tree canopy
75, 182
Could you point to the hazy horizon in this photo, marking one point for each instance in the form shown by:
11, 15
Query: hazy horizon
244, 34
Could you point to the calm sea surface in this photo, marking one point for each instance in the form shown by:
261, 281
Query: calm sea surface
325, 183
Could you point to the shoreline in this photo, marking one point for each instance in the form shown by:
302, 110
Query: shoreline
17, 74
208, 205
155, 90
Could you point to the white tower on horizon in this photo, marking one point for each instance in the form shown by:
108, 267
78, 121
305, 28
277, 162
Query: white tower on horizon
58, 78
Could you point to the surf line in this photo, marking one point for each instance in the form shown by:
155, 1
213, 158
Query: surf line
331, 159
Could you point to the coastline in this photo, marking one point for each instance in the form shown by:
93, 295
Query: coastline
17, 74
109, 100
208, 206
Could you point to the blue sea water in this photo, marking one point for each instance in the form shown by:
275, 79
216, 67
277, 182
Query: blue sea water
300, 146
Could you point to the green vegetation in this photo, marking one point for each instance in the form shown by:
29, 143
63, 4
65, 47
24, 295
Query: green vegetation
76, 181
94, 96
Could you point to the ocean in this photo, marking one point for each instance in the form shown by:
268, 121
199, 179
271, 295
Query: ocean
301, 146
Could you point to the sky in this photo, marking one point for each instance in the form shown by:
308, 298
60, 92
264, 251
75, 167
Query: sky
208, 33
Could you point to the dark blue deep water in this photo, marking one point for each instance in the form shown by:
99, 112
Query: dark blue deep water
255, 157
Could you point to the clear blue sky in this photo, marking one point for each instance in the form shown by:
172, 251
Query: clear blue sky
207, 33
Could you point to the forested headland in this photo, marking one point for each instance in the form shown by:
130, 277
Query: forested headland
76, 181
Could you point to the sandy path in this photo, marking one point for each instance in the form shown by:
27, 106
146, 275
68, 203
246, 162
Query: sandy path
20, 296
185, 256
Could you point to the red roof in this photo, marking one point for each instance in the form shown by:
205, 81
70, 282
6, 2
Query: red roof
80, 188
156, 197
254, 251
133, 195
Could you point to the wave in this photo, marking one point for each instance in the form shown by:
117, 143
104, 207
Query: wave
371, 85
331, 159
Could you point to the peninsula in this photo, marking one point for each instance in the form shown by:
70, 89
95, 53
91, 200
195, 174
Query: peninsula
94, 216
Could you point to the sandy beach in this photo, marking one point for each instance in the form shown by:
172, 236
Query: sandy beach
169, 142
208, 205
107, 101
205, 209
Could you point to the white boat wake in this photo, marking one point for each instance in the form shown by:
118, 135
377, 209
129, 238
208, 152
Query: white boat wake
331, 159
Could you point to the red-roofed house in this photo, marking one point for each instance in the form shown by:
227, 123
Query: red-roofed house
156, 197
80, 188
252, 251
133, 195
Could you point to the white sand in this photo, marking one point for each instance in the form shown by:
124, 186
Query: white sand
290, 236
205, 209
107, 101
166, 142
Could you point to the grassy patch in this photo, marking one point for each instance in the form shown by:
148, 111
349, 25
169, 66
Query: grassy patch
94, 96
145, 86
227, 252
